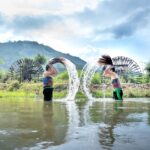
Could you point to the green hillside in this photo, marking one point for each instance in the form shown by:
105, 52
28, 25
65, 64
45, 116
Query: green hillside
12, 51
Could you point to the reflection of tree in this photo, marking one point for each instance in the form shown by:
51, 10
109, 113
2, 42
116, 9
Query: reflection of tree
48, 123
106, 133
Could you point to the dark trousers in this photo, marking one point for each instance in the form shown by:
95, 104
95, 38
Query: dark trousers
48, 94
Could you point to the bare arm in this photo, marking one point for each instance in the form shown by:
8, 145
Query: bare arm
109, 73
63, 60
51, 72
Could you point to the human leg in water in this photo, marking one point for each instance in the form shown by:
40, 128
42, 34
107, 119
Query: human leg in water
118, 94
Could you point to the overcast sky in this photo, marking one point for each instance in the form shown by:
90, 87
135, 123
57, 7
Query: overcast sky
85, 28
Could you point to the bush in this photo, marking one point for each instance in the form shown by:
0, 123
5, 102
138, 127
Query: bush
13, 85
80, 95
60, 87
3, 86
58, 95
96, 79
62, 76
29, 87
4, 77
97, 94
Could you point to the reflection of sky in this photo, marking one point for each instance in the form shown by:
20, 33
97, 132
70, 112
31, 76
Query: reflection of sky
80, 27
135, 134
121, 128
69, 125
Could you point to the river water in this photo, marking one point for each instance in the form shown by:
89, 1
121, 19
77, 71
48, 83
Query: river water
27, 124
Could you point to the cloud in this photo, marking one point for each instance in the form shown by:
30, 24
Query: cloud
133, 23
31, 22
48, 26
2, 20
71, 26
27, 22
86, 20
53, 7
91, 52
116, 19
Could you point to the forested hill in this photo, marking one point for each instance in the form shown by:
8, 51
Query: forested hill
12, 51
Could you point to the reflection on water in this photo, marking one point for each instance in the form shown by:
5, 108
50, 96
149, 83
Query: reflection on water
107, 137
28, 124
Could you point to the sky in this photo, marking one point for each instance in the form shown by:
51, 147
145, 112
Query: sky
84, 28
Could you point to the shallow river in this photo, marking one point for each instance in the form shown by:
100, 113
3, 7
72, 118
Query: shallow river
92, 125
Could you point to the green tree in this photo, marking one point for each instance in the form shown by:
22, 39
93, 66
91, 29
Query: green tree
148, 68
40, 59
25, 70
1, 75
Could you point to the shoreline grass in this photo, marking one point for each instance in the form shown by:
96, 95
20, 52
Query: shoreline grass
128, 93
13, 88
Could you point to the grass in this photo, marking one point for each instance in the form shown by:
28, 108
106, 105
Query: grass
61, 94
26, 89
128, 93
135, 92
15, 94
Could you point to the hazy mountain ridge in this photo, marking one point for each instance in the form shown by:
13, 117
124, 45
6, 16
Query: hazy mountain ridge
12, 51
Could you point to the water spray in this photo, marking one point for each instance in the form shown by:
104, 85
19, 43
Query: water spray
73, 76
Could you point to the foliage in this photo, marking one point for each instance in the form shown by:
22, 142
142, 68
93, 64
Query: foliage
21, 49
31, 89
136, 92
40, 59
147, 68
3, 77
15, 94
25, 70
13, 85
96, 79
3, 86
61, 94
80, 95
62, 76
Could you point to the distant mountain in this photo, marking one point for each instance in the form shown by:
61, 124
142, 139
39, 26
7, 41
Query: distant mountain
12, 51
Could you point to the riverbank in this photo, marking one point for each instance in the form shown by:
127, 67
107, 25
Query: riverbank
34, 90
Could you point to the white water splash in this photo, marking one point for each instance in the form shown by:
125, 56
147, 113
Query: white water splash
86, 77
73, 80
73, 118
86, 112
73, 76
104, 87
